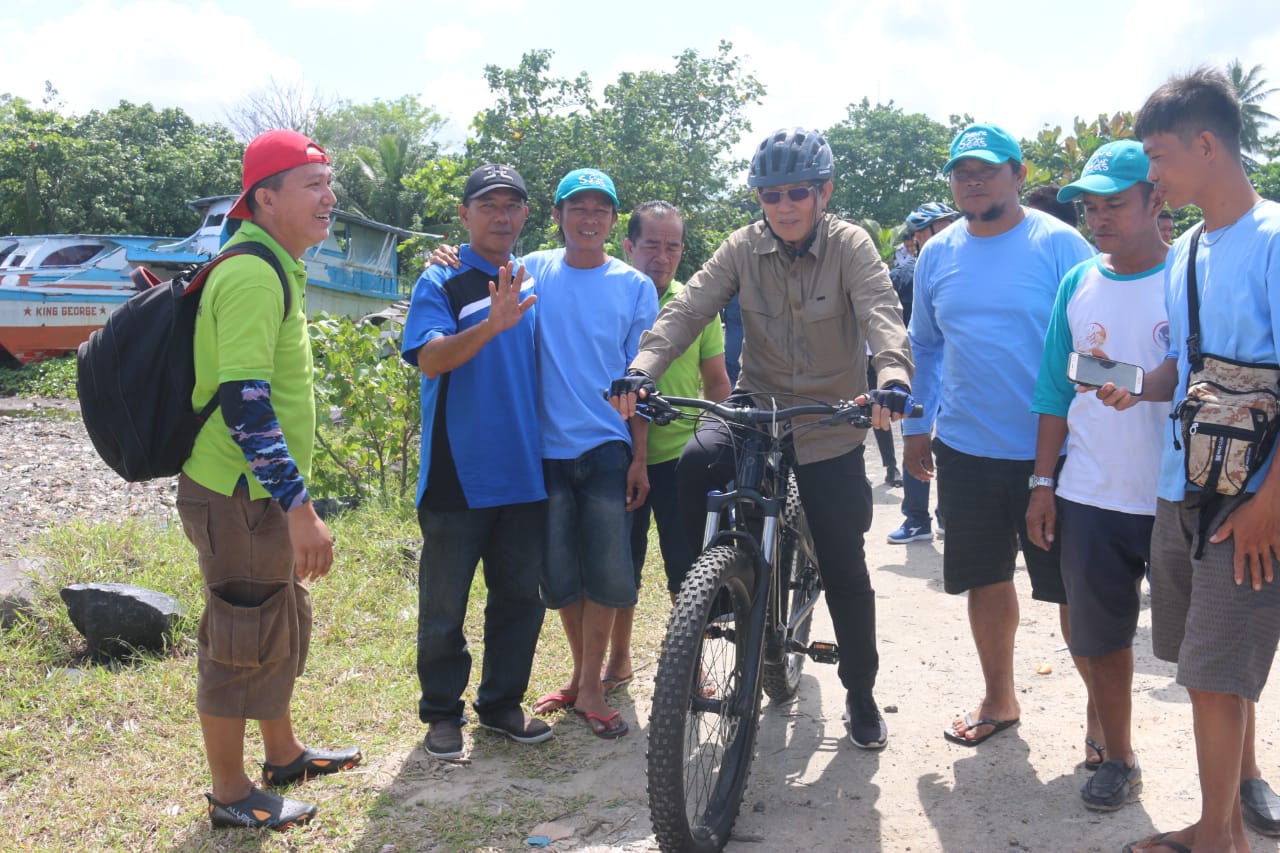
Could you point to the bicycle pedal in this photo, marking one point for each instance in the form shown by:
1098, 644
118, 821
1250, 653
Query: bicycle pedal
820, 652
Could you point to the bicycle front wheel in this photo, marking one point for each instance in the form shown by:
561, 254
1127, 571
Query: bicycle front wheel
706, 706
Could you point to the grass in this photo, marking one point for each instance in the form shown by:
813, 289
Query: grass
97, 757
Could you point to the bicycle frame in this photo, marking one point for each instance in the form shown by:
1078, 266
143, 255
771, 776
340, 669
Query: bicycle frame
748, 492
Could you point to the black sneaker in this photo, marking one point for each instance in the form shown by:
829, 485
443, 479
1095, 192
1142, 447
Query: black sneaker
1111, 786
517, 725
867, 729
260, 810
444, 739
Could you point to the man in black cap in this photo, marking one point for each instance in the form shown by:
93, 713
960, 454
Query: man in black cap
480, 488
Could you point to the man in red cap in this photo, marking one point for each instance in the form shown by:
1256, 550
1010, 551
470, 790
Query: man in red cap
242, 494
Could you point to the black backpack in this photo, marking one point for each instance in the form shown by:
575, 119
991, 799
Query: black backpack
134, 376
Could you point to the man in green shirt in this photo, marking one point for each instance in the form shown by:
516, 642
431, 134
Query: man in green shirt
654, 244
242, 494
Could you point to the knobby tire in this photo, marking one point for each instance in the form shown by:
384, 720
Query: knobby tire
699, 758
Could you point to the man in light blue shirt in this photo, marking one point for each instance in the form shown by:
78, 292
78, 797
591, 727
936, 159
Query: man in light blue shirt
983, 296
1215, 606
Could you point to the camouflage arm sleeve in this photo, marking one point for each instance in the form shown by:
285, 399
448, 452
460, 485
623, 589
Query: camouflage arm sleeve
246, 409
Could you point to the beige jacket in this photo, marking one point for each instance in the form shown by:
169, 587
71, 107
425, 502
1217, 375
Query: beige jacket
806, 322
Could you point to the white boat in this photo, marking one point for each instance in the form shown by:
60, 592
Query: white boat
55, 289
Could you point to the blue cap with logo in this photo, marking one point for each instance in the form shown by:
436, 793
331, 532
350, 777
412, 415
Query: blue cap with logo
985, 142
582, 180
1112, 169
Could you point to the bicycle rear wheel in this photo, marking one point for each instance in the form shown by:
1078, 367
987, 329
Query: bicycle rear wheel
706, 706
802, 584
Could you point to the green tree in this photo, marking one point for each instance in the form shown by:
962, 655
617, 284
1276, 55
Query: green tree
35, 146
375, 148
887, 163
1251, 90
130, 169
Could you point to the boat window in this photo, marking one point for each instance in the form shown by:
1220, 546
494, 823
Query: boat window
6, 249
214, 220
72, 256
338, 238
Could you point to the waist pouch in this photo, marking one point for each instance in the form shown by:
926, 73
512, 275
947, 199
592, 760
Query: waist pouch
1228, 422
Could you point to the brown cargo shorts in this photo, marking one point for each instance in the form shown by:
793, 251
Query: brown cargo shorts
256, 627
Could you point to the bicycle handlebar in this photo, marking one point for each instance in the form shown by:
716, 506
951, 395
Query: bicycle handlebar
662, 410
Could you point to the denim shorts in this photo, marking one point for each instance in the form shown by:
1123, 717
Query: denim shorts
588, 530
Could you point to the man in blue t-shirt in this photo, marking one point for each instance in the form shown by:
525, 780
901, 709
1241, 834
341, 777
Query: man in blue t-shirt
1215, 606
592, 310
983, 295
470, 330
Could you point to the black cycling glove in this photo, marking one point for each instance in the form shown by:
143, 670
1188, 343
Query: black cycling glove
634, 382
890, 398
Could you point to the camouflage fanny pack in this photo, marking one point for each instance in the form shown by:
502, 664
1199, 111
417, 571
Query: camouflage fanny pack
1228, 422
1231, 413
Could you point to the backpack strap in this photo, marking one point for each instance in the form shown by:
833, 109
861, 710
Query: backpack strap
257, 250
1195, 355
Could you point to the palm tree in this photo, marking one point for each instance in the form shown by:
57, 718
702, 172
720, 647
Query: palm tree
1251, 90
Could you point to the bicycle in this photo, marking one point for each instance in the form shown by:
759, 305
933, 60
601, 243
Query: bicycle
740, 623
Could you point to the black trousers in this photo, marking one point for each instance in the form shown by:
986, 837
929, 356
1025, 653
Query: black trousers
837, 501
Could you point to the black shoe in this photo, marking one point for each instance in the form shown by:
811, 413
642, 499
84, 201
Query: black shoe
1260, 807
260, 810
1111, 786
892, 477
444, 739
312, 762
867, 729
517, 725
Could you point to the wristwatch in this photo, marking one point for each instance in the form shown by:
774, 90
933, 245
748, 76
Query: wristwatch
1041, 481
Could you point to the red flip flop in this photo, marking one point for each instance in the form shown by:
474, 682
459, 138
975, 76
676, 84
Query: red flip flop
609, 732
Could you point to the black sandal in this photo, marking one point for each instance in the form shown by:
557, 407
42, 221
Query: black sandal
260, 810
312, 762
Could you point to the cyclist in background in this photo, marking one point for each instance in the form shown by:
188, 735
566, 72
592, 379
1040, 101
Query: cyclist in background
813, 293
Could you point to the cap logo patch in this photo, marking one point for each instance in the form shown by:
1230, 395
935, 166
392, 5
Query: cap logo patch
973, 139
1100, 162
591, 180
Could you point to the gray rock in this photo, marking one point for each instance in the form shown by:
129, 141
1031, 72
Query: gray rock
18, 583
118, 619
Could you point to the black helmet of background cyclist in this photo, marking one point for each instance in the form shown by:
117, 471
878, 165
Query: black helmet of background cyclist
791, 155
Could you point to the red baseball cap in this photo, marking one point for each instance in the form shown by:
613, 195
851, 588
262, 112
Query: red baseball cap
270, 154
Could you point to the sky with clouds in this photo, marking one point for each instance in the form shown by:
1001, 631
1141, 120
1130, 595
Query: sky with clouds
1021, 65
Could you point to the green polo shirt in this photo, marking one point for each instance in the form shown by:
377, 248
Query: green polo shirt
242, 333
683, 379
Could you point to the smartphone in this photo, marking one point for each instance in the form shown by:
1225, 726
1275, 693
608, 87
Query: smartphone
1084, 369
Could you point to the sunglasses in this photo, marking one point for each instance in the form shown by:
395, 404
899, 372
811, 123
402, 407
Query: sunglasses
796, 194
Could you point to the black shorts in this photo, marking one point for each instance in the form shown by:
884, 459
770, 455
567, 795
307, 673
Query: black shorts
1104, 558
985, 504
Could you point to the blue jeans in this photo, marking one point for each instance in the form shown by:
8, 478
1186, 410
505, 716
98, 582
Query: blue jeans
915, 501
509, 539
588, 531
664, 504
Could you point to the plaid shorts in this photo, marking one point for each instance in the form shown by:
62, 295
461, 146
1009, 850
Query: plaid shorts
1222, 636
